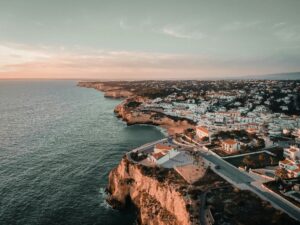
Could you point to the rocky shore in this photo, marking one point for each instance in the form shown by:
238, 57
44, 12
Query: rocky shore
133, 116
129, 112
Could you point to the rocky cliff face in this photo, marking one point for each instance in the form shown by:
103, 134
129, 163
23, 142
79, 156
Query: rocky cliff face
109, 91
159, 199
132, 116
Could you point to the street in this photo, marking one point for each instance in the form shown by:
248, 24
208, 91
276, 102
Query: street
238, 177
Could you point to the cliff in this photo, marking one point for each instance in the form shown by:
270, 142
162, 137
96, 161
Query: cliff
163, 197
158, 195
109, 91
132, 115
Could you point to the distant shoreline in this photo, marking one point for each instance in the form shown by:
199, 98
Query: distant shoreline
131, 116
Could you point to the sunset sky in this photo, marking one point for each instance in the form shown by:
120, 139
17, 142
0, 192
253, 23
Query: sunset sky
154, 39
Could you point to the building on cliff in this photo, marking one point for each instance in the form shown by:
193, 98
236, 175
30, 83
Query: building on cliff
162, 157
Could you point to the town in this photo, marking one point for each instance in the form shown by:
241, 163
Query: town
245, 131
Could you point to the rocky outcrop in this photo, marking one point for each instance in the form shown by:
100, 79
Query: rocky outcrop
117, 94
109, 91
158, 197
134, 116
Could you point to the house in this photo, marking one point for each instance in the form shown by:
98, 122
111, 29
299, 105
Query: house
251, 130
286, 164
161, 157
162, 148
292, 153
292, 161
291, 167
230, 146
202, 132
156, 156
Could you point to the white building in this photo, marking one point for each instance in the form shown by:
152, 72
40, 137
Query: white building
230, 146
292, 153
162, 157
292, 161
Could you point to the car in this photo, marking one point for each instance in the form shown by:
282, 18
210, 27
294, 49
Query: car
217, 167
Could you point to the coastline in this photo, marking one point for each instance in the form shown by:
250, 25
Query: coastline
132, 115
156, 191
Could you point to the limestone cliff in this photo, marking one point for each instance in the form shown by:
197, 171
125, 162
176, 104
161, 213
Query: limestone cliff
160, 198
109, 91
133, 116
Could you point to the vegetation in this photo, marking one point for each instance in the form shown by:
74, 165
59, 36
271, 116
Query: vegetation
254, 161
281, 173
133, 104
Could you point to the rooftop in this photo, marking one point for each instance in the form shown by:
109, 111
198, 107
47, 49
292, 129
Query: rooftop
157, 155
229, 142
203, 129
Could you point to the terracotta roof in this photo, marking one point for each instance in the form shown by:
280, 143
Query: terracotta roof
286, 161
293, 149
157, 155
230, 142
163, 147
203, 129
251, 130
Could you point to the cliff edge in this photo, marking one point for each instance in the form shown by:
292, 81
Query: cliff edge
159, 194
129, 112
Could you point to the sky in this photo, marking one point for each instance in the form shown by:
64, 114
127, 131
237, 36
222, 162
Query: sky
153, 39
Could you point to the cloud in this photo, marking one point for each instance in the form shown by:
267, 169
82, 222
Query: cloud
280, 24
238, 25
80, 63
181, 32
20, 54
175, 31
288, 33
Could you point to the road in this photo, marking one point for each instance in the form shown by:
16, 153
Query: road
240, 178
229, 171
236, 177
292, 211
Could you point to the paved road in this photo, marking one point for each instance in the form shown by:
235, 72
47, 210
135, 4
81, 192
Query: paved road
228, 170
239, 177
292, 211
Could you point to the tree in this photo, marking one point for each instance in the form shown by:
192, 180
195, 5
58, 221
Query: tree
205, 139
261, 143
261, 158
248, 161
282, 173
272, 162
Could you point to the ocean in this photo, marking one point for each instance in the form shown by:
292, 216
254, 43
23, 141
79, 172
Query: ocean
58, 143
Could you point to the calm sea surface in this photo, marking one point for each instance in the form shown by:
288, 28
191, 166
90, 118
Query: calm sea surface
58, 143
